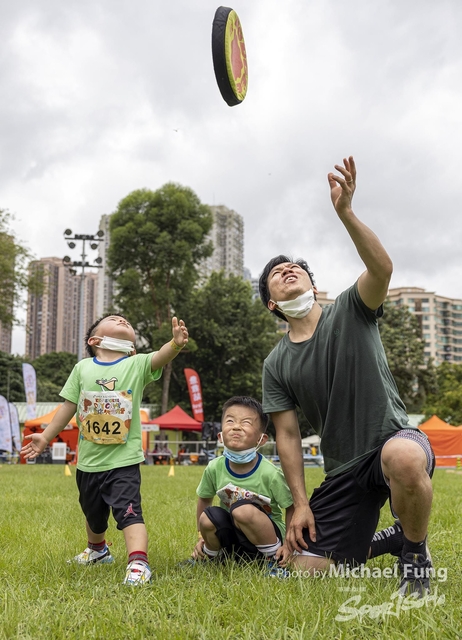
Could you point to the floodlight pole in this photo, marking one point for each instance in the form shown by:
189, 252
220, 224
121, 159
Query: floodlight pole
70, 239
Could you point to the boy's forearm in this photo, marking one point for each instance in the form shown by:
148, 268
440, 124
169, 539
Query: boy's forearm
166, 354
62, 418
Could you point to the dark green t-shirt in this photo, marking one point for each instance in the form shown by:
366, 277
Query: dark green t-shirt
341, 381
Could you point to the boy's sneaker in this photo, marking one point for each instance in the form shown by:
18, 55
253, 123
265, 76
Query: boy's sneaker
273, 570
137, 573
416, 570
90, 556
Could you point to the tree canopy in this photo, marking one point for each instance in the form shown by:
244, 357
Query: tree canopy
446, 399
233, 333
404, 347
158, 239
14, 277
52, 371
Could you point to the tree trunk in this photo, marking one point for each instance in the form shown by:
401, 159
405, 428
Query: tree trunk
167, 374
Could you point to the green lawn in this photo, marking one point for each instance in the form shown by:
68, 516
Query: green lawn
41, 596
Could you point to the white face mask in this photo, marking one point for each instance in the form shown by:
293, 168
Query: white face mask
240, 457
298, 308
114, 344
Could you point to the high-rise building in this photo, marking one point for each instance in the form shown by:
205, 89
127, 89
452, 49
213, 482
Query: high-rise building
5, 338
227, 236
53, 313
440, 320
105, 282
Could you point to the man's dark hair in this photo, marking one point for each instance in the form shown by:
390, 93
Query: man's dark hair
92, 330
251, 403
263, 282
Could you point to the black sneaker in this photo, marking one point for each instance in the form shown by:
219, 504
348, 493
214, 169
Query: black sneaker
416, 571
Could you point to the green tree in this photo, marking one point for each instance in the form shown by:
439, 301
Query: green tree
52, 371
11, 380
233, 334
446, 399
14, 277
158, 239
403, 344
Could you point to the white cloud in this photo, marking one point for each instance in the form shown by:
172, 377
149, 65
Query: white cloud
100, 98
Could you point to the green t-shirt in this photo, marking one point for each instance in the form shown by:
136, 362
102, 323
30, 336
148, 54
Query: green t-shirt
341, 381
108, 398
265, 485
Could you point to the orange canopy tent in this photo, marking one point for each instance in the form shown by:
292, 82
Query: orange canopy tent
178, 420
445, 439
69, 434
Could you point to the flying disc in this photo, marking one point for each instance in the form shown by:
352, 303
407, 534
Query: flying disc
229, 57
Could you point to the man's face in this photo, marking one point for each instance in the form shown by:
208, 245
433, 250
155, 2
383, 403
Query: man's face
287, 281
115, 327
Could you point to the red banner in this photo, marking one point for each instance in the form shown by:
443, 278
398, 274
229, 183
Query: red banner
195, 394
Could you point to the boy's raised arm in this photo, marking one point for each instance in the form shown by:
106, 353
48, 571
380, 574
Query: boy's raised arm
171, 349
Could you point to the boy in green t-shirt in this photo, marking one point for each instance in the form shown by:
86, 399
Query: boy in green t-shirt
252, 491
105, 392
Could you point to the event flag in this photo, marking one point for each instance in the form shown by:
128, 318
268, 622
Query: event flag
195, 394
30, 387
15, 429
5, 428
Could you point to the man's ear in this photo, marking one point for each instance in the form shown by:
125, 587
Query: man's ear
220, 437
93, 341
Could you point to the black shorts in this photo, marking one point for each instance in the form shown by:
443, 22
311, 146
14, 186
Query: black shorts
118, 489
346, 507
232, 540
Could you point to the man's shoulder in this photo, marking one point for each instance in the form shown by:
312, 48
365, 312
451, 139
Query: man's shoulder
278, 350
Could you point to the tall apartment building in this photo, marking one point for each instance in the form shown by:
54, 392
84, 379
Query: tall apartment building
5, 338
227, 235
440, 320
53, 315
105, 282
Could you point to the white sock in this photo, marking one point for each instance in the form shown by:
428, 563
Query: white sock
210, 552
269, 550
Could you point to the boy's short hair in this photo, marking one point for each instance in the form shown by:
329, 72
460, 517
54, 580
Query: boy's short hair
263, 282
92, 330
251, 403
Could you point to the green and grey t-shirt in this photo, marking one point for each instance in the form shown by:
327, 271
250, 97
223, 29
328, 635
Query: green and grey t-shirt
341, 381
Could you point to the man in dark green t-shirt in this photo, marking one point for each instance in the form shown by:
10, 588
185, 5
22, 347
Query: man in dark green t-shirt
333, 366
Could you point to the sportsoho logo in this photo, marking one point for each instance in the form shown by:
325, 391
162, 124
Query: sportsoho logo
397, 604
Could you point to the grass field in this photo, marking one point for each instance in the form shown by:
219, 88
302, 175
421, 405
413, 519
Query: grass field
41, 596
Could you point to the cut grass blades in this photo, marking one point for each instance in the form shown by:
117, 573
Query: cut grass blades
44, 597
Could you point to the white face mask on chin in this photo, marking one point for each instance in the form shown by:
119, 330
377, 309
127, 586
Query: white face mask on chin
298, 308
114, 344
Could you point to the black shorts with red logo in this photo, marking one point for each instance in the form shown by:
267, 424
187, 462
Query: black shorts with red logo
117, 489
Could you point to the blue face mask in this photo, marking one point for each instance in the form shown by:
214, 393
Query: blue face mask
241, 457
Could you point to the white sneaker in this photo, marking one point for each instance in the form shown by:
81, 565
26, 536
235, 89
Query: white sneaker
90, 556
137, 573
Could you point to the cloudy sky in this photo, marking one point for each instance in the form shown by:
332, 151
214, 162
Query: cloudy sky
101, 97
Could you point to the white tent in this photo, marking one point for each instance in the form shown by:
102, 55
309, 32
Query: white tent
310, 440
